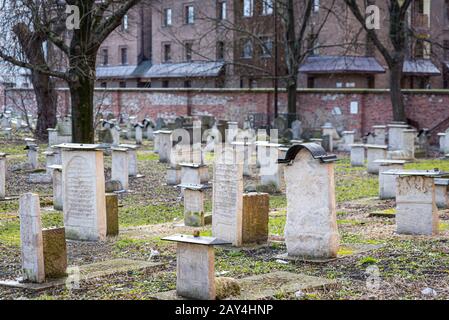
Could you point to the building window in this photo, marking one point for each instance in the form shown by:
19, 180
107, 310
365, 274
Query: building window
189, 14
122, 84
104, 85
165, 84
105, 57
167, 17
266, 44
143, 84
446, 50
167, 52
188, 51
187, 84
310, 82
267, 7
125, 23
222, 13
248, 8
124, 55
220, 50
247, 51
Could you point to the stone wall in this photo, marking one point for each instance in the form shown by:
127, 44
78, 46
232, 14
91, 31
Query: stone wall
316, 106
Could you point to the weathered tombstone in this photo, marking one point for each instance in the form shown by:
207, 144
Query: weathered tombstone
120, 167
84, 192
395, 136
112, 225
55, 253
32, 155
446, 142
227, 197
373, 153
327, 143
380, 134
311, 227
52, 137
416, 211
193, 204
138, 127
149, 126
192, 173
195, 271
115, 131
165, 144
2, 175
387, 182
255, 218
348, 140
442, 193
245, 149
33, 269
132, 158
296, 130
58, 201
160, 123
267, 157
407, 147
357, 155
156, 142
423, 142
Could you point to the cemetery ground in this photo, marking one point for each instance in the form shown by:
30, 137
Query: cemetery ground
152, 210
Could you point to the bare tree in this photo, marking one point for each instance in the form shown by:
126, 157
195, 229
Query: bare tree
91, 22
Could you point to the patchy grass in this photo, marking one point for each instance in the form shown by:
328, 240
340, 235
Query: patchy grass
147, 156
149, 214
428, 164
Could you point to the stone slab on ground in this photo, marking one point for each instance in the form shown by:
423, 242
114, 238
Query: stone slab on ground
265, 286
88, 271
345, 250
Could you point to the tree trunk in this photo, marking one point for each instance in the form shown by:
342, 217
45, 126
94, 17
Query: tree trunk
82, 100
397, 99
292, 88
46, 100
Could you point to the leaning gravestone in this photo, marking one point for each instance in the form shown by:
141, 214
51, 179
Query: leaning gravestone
311, 227
84, 192
227, 197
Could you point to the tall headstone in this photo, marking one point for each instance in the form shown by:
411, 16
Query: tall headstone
441, 141
132, 158
255, 218
232, 131
348, 140
165, 145
227, 197
52, 137
32, 155
120, 167
442, 193
84, 192
311, 227
193, 205
112, 223
33, 269
267, 158
139, 133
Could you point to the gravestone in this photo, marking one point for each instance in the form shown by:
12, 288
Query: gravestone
50, 157
232, 131
442, 193
132, 158
348, 140
84, 192
416, 210
296, 130
32, 155
357, 155
2, 175
327, 143
55, 253
195, 267
373, 153
255, 218
395, 136
120, 167
165, 144
441, 141
311, 227
227, 197
52, 137
245, 150
115, 131
33, 269
112, 225
380, 134
193, 204
270, 171
387, 182
58, 202
138, 127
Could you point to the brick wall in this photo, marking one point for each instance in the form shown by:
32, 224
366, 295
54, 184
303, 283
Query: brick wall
315, 106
